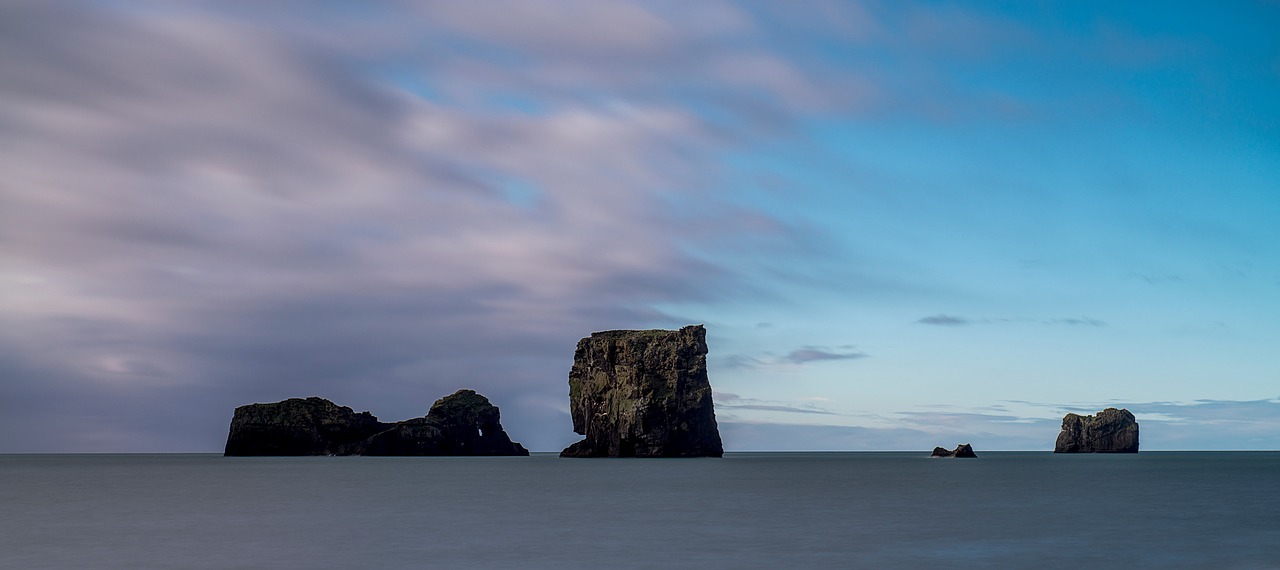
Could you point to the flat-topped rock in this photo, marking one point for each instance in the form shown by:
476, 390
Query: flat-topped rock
1110, 431
643, 393
463, 423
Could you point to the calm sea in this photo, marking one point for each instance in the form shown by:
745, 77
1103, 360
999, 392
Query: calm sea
748, 510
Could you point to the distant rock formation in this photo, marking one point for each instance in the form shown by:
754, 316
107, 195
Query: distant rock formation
643, 394
1111, 431
297, 426
464, 423
962, 450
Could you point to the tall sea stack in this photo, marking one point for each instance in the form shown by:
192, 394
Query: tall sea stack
643, 394
1110, 431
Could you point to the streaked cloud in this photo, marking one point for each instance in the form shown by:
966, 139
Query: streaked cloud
944, 320
732, 361
956, 321
419, 199
798, 356
210, 203
1199, 425
1080, 321
731, 401
812, 354
770, 408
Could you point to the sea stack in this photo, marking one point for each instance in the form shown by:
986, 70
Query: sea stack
643, 393
463, 423
1110, 431
961, 451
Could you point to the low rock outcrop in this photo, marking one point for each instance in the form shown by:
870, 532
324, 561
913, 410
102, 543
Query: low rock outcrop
961, 451
298, 426
1110, 431
643, 393
464, 423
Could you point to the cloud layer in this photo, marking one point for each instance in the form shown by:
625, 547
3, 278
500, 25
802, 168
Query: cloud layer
1205, 424
203, 208
211, 203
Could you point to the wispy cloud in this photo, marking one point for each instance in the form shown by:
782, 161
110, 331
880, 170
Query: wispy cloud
208, 203
955, 321
944, 320
1202, 424
798, 356
811, 354
731, 401
741, 361
1080, 321
774, 408
420, 198
767, 436
1158, 279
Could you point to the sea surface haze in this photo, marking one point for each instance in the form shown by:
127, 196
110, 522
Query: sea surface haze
747, 510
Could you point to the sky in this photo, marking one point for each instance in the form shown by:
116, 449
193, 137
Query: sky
904, 224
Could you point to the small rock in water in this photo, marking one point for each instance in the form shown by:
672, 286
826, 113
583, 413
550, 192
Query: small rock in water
962, 450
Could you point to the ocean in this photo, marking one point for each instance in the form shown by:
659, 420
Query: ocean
747, 510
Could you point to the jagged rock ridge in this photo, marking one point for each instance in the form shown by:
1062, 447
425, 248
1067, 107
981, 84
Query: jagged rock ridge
1110, 431
463, 423
643, 393
961, 451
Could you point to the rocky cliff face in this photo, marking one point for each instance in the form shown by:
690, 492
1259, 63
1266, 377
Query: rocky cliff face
464, 423
643, 394
1110, 431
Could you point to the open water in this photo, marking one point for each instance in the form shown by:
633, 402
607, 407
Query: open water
748, 510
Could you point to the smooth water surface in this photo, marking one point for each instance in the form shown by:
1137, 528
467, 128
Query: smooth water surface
748, 510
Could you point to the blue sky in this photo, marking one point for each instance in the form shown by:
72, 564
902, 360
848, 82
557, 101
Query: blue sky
905, 224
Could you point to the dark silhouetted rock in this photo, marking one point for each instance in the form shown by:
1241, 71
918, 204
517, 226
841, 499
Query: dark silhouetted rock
464, 423
643, 394
961, 451
1111, 431
297, 426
